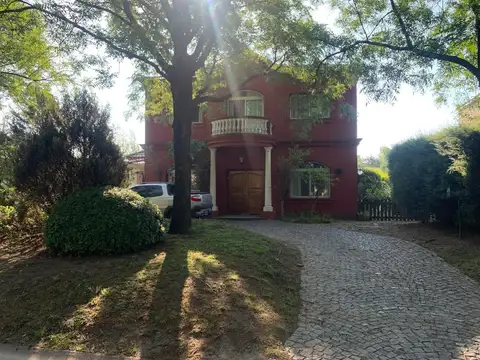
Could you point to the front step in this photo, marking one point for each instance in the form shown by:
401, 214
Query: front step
239, 217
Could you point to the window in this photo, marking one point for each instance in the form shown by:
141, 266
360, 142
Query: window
155, 191
311, 182
148, 191
309, 106
199, 118
140, 190
245, 103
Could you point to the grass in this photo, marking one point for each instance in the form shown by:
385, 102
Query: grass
308, 218
463, 254
220, 291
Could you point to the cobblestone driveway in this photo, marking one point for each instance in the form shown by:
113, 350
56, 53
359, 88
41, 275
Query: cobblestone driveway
372, 297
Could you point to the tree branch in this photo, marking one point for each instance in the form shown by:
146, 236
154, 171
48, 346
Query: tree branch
403, 27
425, 54
342, 50
360, 19
220, 98
111, 12
26, 77
127, 9
379, 22
418, 52
155, 11
207, 49
10, 11
129, 54
208, 78
202, 39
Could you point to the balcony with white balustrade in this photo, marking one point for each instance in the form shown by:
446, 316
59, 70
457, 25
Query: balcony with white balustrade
241, 126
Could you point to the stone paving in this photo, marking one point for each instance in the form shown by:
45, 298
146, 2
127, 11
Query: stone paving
374, 297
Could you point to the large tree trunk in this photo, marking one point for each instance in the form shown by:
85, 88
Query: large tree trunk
183, 113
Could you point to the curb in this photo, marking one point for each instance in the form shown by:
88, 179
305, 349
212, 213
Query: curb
11, 352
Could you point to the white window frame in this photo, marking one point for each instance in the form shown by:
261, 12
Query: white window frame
246, 95
329, 185
324, 116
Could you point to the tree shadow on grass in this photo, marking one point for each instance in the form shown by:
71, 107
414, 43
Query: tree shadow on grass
161, 336
229, 295
62, 303
216, 294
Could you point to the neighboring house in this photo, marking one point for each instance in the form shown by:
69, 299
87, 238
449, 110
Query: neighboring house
136, 167
248, 133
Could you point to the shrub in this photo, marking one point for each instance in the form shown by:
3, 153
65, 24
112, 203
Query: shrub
382, 174
462, 146
420, 178
7, 215
372, 186
102, 220
308, 218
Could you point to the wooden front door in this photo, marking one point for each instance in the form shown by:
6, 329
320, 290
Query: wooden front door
245, 192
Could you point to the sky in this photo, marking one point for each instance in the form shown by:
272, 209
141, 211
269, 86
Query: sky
379, 124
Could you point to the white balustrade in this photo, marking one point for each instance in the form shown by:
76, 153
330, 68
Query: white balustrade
241, 126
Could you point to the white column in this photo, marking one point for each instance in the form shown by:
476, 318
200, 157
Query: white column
268, 179
213, 178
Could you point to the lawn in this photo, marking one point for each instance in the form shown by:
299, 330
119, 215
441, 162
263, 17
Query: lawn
218, 292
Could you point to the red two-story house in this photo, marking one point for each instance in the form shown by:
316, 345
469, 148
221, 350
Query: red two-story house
248, 134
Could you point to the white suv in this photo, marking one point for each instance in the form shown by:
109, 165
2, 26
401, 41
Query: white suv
161, 194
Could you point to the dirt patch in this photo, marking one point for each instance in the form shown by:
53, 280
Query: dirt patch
462, 253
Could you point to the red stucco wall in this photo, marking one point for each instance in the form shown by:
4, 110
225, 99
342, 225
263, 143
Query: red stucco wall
332, 143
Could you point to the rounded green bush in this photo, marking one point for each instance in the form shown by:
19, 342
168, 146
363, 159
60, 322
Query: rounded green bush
106, 220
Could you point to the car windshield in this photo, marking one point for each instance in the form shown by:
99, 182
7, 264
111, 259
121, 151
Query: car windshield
148, 191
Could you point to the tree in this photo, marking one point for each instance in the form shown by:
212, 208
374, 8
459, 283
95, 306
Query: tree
461, 146
200, 156
196, 47
369, 161
383, 158
371, 186
319, 176
64, 148
26, 57
286, 166
127, 142
420, 178
421, 43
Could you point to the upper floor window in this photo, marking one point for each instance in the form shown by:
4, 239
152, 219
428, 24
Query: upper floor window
309, 106
201, 111
245, 103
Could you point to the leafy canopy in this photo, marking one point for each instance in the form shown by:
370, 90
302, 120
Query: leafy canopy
26, 57
424, 43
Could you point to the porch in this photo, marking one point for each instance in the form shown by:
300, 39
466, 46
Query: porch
241, 180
